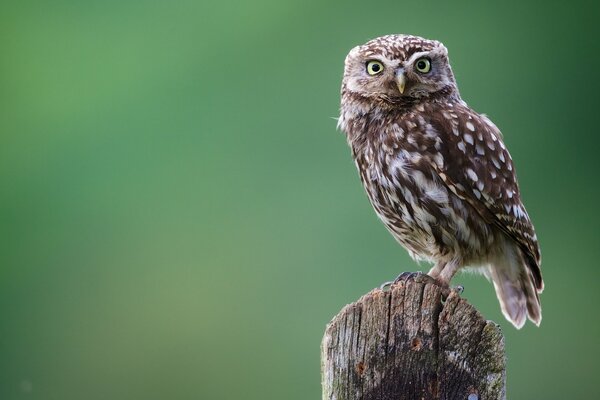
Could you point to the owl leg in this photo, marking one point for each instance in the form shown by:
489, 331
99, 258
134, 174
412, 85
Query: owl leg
437, 269
443, 272
448, 271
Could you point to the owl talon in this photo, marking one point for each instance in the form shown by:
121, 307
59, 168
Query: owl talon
403, 277
459, 289
406, 276
418, 277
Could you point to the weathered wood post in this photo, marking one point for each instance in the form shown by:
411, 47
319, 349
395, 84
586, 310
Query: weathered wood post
406, 343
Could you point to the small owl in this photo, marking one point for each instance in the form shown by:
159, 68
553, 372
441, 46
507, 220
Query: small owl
436, 172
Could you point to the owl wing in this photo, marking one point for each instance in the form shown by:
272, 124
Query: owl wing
478, 168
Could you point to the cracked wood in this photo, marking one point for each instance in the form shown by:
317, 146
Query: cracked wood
405, 343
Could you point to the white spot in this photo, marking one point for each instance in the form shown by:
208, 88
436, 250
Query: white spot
480, 137
398, 131
455, 130
487, 121
518, 211
439, 159
502, 145
430, 188
479, 150
501, 156
470, 126
468, 138
509, 166
491, 146
471, 174
496, 163
509, 193
480, 185
415, 157
477, 193
462, 147
399, 165
430, 131
493, 174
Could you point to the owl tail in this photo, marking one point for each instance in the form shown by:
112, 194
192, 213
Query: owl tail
515, 287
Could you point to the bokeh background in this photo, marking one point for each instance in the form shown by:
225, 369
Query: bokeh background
179, 217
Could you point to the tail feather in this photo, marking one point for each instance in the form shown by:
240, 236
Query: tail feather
516, 287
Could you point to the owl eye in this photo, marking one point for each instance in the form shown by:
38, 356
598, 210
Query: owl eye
423, 65
374, 67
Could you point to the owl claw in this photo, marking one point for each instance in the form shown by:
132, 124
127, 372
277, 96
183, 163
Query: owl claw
420, 277
407, 276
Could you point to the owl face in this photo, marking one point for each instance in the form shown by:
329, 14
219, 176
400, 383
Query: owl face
394, 68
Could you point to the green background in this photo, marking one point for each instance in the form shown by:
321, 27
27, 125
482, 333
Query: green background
179, 217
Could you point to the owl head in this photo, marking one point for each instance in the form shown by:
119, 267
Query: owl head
398, 68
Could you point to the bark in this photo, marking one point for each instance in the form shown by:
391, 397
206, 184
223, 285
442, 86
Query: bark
407, 343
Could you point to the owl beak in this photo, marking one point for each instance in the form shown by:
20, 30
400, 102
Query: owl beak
401, 80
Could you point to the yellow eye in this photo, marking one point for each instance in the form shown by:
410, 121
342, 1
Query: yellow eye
374, 67
423, 65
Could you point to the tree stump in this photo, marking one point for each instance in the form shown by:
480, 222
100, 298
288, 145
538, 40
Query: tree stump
407, 343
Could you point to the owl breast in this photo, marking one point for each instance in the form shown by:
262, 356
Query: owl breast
396, 163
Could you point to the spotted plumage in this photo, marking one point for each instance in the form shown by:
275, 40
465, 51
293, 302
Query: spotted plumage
437, 173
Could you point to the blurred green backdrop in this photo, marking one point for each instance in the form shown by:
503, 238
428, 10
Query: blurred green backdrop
180, 217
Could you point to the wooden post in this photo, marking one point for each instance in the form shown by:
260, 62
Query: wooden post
405, 343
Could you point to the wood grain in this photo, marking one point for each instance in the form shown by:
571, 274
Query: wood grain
406, 343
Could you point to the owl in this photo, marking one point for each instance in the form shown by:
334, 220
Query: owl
436, 172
